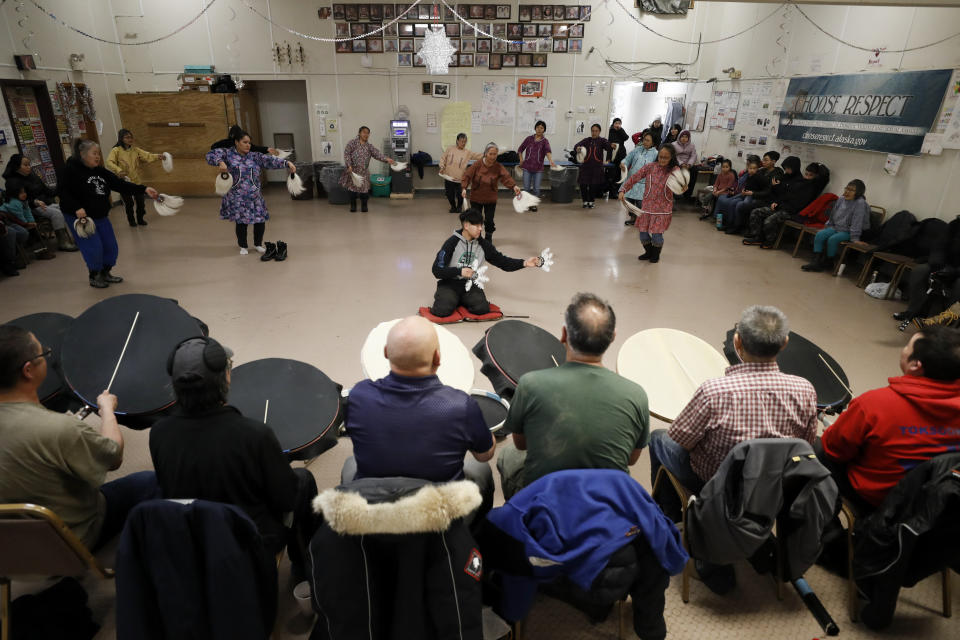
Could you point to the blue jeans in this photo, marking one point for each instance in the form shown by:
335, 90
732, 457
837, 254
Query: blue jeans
532, 179
727, 207
667, 453
100, 250
655, 238
122, 495
832, 238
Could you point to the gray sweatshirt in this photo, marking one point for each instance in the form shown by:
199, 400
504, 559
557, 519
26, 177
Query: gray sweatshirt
850, 216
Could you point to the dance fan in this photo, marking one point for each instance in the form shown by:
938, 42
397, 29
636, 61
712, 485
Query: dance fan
442, 175
632, 209
357, 179
518, 172
400, 166
480, 277
223, 184
167, 162
283, 154
678, 181
524, 201
295, 185
166, 205
557, 167
546, 259
581, 154
84, 227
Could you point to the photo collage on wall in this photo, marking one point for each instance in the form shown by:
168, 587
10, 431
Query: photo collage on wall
534, 31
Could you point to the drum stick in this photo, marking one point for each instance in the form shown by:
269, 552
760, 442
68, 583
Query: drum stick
554, 360
266, 409
123, 351
839, 379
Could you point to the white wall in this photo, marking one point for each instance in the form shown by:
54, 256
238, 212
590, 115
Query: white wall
638, 109
238, 41
284, 109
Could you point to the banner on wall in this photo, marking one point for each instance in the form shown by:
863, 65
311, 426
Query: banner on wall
888, 112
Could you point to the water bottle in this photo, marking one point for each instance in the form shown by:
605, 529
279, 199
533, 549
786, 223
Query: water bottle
841, 269
719, 221
873, 277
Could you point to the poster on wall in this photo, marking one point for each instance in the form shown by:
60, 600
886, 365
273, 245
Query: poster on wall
888, 112
497, 105
530, 110
725, 106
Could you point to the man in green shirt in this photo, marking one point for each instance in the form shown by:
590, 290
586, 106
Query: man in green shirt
579, 415
56, 460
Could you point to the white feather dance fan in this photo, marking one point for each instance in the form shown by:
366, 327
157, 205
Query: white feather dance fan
357, 179
295, 185
84, 227
167, 161
166, 205
400, 166
631, 208
524, 201
283, 154
678, 181
557, 168
518, 172
581, 154
446, 177
223, 184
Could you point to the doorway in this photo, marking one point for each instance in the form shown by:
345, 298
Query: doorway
284, 120
637, 108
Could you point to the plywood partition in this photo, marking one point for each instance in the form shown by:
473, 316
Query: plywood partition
185, 124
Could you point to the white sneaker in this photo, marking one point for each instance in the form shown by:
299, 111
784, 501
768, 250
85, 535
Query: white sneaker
261, 249
243, 251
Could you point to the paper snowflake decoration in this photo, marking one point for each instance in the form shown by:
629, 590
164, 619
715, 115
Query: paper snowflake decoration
437, 51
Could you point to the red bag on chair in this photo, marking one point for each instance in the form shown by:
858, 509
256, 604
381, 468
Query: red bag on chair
815, 213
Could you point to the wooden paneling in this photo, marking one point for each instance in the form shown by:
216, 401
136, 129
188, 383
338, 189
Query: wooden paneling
185, 124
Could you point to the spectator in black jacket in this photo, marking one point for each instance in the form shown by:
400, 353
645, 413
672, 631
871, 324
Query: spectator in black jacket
939, 274
208, 450
795, 199
457, 263
40, 198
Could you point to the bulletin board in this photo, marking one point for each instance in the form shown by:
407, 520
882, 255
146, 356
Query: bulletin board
723, 113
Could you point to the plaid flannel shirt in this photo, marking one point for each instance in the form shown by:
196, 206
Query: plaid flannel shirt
750, 401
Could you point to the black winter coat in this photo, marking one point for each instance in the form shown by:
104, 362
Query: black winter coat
895, 231
911, 536
930, 236
89, 189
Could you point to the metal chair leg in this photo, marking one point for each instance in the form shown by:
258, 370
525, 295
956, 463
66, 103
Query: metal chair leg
776, 244
851, 585
5, 609
843, 256
865, 273
947, 593
895, 281
796, 247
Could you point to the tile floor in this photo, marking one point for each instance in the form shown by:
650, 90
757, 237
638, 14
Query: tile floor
348, 272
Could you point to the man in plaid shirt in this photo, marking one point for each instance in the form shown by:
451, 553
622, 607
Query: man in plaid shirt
752, 400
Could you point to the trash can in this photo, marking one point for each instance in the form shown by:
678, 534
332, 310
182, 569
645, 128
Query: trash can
563, 185
380, 185
305, 171
330, 179
317, 168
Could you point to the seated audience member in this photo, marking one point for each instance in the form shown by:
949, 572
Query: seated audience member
885, 432
791, 171
753, 400
579, 415
847, 218
8, 251
17, 214
209, 451
798, 194
940, 274
409, 424
761, 196
752, 180
672, 135
56, 460
40, 198
724, 185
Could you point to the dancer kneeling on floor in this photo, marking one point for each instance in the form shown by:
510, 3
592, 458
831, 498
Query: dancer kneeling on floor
85, 188
244, 203
454, 266
657, 209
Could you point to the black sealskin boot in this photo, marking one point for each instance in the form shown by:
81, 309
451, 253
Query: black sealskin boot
97, 281
655, 251
647, 251
270, 253
109, 277
281, 251
353, 202
363, 204
818, 263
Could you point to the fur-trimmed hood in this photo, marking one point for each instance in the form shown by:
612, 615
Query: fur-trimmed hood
396, 506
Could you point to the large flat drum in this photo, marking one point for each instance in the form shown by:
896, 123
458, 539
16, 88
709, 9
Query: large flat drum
669, 365
456, 366
49, 329
298, 401
512, 348
93, 343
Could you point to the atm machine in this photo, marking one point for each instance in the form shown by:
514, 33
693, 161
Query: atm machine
402, 181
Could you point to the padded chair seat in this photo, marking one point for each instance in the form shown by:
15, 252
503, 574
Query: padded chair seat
461, 314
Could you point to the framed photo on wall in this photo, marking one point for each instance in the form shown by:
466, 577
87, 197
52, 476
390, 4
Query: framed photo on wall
548, 12
388, 12
426, 88
376, 13
468, 45
483, 60
406, 30
536, 12
374, 45
350, 12
465, 59
523, 13
338, 13
489, 12
514, 47
404, 59
358, 29
423, 11
575, 45
344, 47
544, 30
448, 14
456, 44
390, 46
560, 31
401, 10
585, 13
499, 30
529, 87
391, 30
509, 60
466, 30
441, 90
499, 46
514, 30
476, 11
483, 45
559, 46
545, 45
503, 11
575, 31
573, 13
529, 31
525, 60
539, 60
363, 12
342, 29
420, 29
559, 11
452, 29
359, 46
496, 61
406, 45
529, 46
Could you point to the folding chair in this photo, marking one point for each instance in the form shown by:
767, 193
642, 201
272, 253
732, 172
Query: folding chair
664, 475
877, 215
37, 542
850, 514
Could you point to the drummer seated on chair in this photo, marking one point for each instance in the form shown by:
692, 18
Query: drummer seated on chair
579, 415
409, 424
453, 267
753, 400
884, 433
56, 460
209, 451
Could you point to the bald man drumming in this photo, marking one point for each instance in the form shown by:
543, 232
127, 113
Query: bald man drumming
410, 424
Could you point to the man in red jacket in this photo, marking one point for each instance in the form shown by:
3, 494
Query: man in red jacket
884, 433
